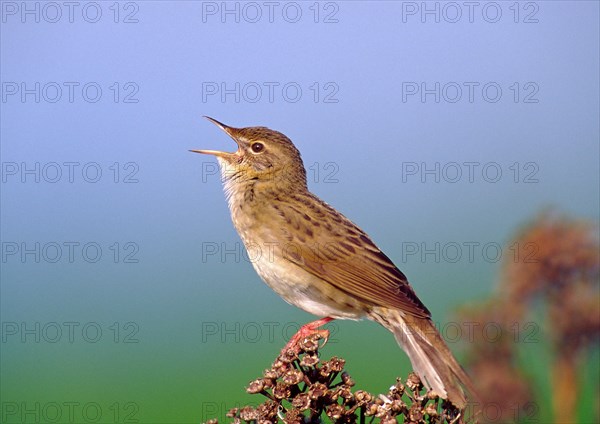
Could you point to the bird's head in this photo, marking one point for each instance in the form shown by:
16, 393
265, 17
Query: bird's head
263, 155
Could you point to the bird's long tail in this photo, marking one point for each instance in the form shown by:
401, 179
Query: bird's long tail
429, 355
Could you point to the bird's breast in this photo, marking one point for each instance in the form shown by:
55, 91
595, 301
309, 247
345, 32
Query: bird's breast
276, 243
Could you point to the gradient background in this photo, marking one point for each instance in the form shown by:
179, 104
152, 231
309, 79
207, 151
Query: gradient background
194, 329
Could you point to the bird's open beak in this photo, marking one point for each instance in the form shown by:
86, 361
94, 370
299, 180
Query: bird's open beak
228, 130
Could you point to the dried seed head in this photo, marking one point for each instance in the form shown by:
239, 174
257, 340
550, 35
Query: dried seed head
256, 386
382, 411
335, 411
282, 391
293, 377
317, 390
288, 356
397, 406
345, 393
431, 410
270, 373
267, 410
293, 416
301, 401
397, 390
415, 413
413, 382
276, 366
248, 413
336, 400
347, 380
309, 360
336, 364
388, 419
371, 409
310, 343
363, 397
325, 370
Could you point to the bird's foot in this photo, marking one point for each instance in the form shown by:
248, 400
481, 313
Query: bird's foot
307, 330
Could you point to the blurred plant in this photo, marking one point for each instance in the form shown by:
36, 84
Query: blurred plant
503, 388
300, 388
555, 271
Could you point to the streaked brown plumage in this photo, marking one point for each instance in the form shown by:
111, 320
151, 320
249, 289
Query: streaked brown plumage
317, 259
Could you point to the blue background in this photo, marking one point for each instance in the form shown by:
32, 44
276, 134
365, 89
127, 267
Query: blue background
193, 328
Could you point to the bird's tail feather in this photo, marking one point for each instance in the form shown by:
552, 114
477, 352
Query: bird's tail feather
428, 353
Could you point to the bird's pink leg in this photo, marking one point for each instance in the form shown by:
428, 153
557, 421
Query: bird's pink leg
307, 330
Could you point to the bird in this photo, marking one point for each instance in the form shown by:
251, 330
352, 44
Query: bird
318, 260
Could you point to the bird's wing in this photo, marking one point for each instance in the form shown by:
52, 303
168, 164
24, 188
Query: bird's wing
331, 247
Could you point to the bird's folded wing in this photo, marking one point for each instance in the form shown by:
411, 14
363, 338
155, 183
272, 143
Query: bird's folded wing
345, 257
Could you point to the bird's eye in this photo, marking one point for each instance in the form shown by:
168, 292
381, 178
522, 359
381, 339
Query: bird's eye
257, 147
